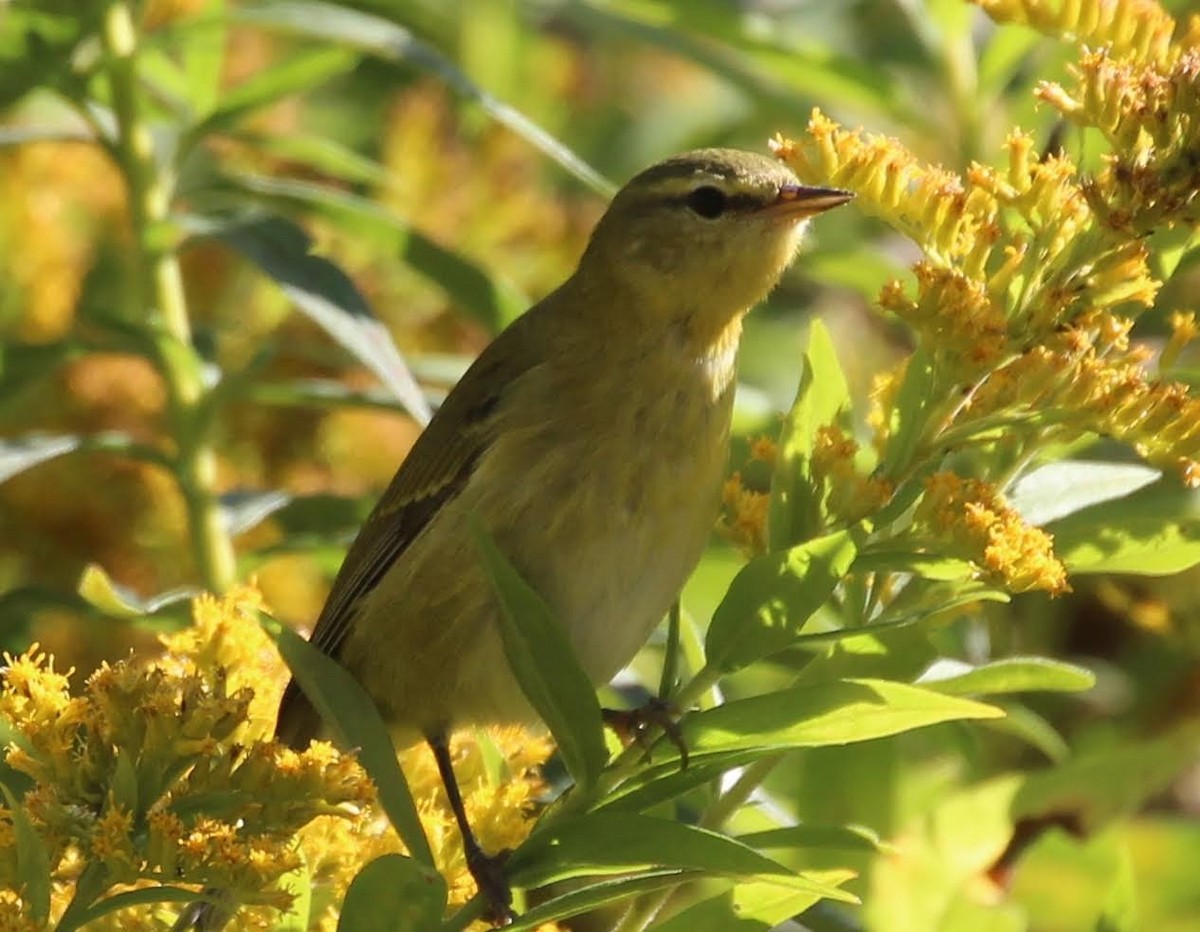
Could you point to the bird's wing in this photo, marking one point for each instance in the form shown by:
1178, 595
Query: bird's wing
434, 472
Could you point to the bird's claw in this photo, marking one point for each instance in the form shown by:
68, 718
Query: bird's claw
488, 871
633, 725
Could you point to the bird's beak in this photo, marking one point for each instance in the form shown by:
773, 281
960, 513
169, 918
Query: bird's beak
797, 201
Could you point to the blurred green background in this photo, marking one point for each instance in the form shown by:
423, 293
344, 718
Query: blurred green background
438, 152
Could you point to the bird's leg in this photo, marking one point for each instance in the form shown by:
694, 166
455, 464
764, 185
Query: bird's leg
634, 725
488, 870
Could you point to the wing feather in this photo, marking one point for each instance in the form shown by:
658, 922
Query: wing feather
436, 469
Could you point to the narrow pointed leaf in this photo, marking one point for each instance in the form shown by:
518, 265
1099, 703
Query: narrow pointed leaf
300, 72
1008, 675
18, 455
1153, 532
1062, 488
33, 860
393, 892
323, 292
349, 711
543, 661
772, 597
391, 41
616, 843
749, 906
823, 397
485, 295
827, 713
590, 896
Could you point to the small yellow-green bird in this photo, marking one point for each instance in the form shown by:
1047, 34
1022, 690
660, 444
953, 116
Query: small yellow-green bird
590, 438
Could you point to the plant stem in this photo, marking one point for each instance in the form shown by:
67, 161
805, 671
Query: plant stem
161, 304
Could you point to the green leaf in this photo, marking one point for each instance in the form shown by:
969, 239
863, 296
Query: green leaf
1024, 724
838, 712
544, 663
925, 565
1169, 245
297, 74
820, 837
745, 907
323, 292
391, 41
826, 713
590, 896
393, 892
913, 404
26, 366
124, 784
36, 47
346, 708
128, 899
1153, 532
321, 154
16, 456
243, 510
796, 512
488, 297
1120, 903
782, 79
203, 56
615, 843
1067, 486
33, 860
100, 591
1009, 675
772, 597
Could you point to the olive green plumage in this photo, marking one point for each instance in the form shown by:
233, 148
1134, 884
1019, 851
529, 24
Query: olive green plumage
590, 438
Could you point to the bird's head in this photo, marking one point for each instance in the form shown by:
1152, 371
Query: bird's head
703, 234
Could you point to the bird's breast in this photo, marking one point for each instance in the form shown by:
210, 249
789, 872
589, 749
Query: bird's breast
618, 501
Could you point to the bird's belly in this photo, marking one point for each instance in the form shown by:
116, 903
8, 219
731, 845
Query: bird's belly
607, 540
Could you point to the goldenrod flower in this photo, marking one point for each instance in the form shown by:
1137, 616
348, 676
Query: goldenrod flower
1183, 332
968, 518
848, 494
1140, 29
216, 803
744, 515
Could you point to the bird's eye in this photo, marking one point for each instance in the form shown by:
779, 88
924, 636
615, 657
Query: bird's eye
707, 201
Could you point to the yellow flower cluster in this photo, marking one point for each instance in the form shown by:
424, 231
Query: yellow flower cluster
1011, 254
1034, 273
744, 515
1183, 332
162, 772
1138, 82
849, 495
1136, 28
744, 507
981, 527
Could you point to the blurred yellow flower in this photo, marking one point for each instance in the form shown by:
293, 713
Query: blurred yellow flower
163, 772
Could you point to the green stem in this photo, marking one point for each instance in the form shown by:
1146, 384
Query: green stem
160, 299
670, 668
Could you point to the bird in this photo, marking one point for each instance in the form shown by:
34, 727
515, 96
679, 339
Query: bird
590, 439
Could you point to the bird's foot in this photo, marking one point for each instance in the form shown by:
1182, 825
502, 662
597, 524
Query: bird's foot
488, 871
634, 725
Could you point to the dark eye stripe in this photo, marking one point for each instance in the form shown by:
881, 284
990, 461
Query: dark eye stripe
742, 202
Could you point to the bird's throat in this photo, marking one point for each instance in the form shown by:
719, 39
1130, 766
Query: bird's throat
715, 353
